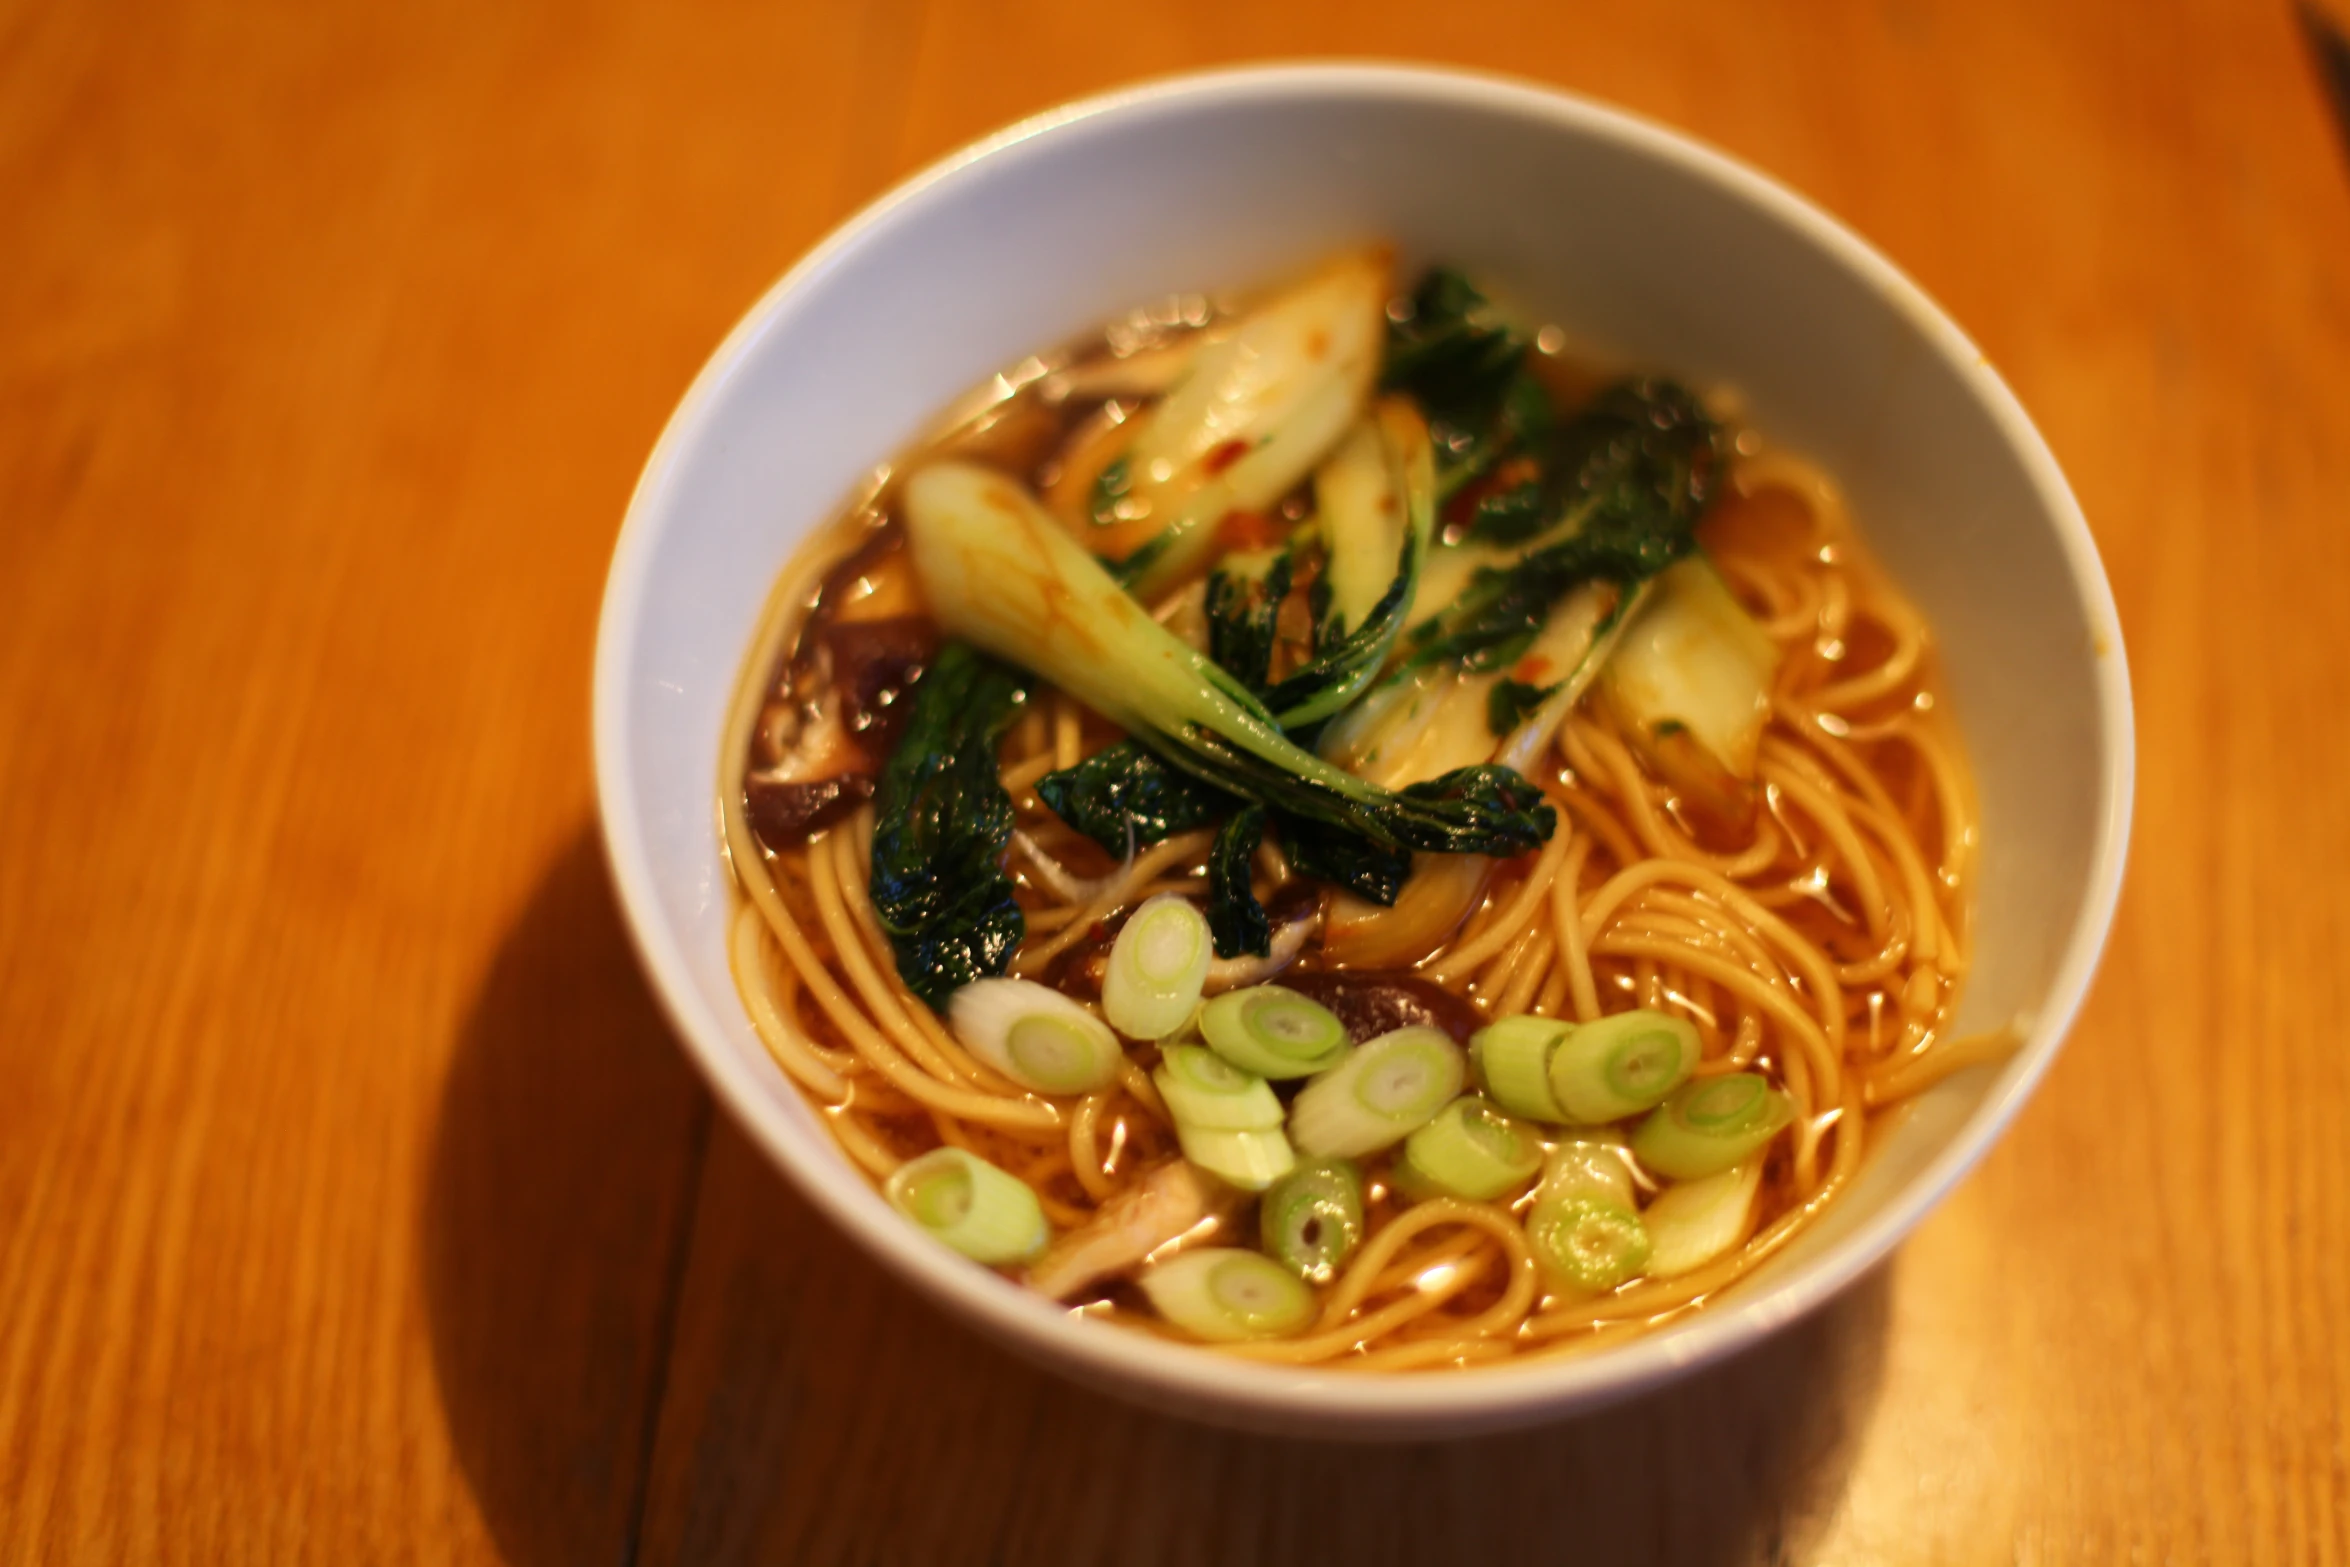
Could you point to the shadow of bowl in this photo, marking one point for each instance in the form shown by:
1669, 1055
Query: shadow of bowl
560, 1191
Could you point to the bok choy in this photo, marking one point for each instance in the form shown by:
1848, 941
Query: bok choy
1124, 797
1244, 613
1251, 417
1638, 470
1465, 364
1691, 686
1505, 644
1394, 527
941, 821
999, 571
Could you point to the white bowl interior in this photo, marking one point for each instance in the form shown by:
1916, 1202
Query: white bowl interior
1654, 251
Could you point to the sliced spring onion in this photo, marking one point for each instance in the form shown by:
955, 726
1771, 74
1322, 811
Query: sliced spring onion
1589, 1162
1035, 1036
1381, 1093
1273, 1032
1587, 1239
1471, 1149
1157, 967
1226, 1294
1312, 1219
1584, 1226
987, 1214
1251, 1160
1711, 1124
1511, 1059
1693, 1222
1205, 1091
1621, 1065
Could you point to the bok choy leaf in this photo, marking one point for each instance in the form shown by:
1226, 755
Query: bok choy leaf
1465, 365
1646, 457
940, 823
1244, 613
1236, 919
1370, 871
1125, 797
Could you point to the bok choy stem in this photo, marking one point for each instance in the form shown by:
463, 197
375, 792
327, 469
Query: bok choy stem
1253, 414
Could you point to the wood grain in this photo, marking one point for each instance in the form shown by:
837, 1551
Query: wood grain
354, 1206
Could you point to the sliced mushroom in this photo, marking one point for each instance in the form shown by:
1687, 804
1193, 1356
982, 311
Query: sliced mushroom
1174, 1203
832, 719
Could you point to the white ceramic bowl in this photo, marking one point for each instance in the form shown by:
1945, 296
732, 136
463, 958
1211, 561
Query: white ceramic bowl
1646, 245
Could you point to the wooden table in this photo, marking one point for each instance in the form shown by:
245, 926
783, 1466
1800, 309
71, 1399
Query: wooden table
355, 1204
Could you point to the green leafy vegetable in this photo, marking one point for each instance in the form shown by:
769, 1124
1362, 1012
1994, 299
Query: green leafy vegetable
1244, 613
1471, 810
1644, 463
1235, 918
1694, 662
940, 823
1466, 367
1001, 573
1125, 797
1510, 506
1370, 871
1508, 703
1642, 443
1350, 660
1252, 416
1110, 486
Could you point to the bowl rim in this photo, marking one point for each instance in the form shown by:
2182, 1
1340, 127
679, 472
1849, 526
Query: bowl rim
1198, 1381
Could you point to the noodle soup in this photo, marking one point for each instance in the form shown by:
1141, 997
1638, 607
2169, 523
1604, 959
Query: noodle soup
1317, 824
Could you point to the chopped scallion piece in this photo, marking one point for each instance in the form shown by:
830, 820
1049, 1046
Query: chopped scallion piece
1589, 1161
1621, 1065
1312, 1219
1273, 1032
987, 1214
1511, 1058
1157, 967
1472, 1150
1693, 1222
1584, 1228
1225, 1294
1205, 1091
1587, 1239
1381, 1093
1711, 1124
1251, 1160
1035, 1036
